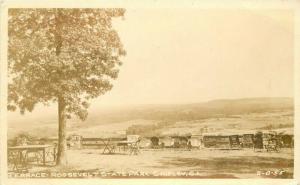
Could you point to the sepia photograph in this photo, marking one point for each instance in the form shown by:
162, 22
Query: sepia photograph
150, 93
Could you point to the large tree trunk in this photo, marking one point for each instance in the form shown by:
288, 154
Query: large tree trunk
62, 138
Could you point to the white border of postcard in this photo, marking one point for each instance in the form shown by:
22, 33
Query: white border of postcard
204, 4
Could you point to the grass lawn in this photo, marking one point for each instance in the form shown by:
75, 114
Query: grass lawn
207, 163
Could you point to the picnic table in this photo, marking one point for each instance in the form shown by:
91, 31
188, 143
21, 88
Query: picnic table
132, 145
19, 154
110, 146
272, 145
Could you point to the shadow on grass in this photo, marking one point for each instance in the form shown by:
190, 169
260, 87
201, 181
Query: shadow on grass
236, 165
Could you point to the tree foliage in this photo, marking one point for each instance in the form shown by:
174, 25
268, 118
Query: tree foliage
71, 54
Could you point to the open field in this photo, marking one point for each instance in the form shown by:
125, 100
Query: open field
222, 116
241, 114
207, 163
242, 122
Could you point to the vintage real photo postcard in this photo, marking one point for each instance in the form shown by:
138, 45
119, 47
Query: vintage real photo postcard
124, 92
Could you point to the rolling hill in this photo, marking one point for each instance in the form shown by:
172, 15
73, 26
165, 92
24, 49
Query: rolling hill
248, 113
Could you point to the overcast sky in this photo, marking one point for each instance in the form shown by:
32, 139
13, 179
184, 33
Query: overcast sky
183, 56
195, 55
